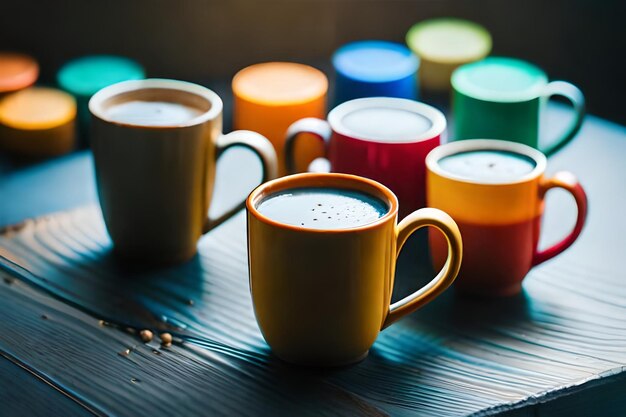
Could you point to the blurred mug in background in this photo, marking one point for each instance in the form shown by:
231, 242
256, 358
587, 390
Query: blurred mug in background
375, 69
504, 98
443, 45
269, 97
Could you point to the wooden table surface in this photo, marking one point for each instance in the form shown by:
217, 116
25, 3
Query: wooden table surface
68, 343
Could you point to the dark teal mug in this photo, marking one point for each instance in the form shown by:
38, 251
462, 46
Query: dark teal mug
503, 98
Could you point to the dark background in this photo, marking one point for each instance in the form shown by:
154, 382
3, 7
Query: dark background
580, 41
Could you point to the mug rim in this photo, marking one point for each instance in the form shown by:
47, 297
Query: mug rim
467, 145
96, 101
320, 180
436, 117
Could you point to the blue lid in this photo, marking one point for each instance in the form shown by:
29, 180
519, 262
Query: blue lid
375, 61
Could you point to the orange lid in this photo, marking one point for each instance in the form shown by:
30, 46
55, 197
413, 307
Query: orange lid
280, 83
17, 71
37, 108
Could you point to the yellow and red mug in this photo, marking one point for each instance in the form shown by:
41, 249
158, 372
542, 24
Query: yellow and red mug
321, 296
499, 219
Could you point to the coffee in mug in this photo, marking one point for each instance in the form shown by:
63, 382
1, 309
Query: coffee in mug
386, 124
489, 166
152, 113
323, 208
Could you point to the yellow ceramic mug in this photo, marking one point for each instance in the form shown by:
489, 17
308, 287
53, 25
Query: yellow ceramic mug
321, 296
156, 144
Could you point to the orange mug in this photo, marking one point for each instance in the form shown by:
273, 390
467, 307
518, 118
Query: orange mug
495, 192
321, 286
269, 97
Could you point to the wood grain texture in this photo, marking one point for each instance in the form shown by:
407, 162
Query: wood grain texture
18, 387
457, 356
87, 361
604, 399
566, 333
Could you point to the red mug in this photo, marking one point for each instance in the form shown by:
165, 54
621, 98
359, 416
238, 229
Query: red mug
495, 191
385, 139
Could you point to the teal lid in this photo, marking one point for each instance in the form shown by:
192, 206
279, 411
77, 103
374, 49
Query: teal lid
500, 79
87, 75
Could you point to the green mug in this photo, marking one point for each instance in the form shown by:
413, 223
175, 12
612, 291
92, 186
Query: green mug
502, 98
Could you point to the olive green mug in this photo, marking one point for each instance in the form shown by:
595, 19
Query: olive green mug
156, 144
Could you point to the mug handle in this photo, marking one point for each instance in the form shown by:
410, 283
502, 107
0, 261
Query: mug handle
444, 223
317, 127
575, 96
568, 182
258, 144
